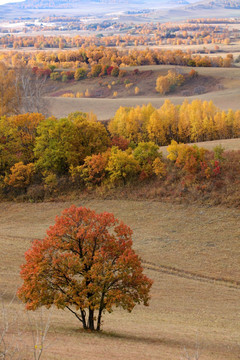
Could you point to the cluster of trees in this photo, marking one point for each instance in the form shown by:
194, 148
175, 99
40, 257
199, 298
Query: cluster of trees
80, 73
169, 82
35, 149
52, 145
93, 55
149, 34
189, 122
214, 21
39, 151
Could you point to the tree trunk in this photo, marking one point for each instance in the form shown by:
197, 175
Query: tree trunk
99, 319
91, 319
100, 311
83, 313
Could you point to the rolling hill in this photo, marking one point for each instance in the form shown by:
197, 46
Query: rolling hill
215, 4
61, 4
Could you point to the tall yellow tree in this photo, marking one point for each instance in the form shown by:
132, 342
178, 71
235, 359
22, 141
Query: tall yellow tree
169, 115
184, 123
156, 131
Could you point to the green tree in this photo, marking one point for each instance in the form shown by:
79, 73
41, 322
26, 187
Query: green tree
122, 166
65, 142
17, 139
145, 153
80, 74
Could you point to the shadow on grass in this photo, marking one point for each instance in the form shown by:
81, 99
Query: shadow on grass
111, 335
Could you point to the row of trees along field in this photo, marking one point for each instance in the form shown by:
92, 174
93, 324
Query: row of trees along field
92, 55
189, 122
39, 155
143, 35
33, 138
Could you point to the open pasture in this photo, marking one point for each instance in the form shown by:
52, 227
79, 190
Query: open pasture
221, 84
191, 252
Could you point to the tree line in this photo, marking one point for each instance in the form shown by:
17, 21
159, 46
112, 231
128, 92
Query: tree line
92, 55
137, 35
38, 154
189, 122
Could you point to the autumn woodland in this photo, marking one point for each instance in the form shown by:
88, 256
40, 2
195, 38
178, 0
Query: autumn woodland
119, 180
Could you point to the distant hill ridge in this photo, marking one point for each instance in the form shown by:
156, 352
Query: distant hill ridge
51, 4
60, 4
56, 4
215, 4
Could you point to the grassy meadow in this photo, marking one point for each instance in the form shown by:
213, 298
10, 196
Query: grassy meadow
221, 86
192, 254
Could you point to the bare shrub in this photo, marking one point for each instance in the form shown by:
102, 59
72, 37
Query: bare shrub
32, 89
186, 93
36, 192
199, 90
13, 344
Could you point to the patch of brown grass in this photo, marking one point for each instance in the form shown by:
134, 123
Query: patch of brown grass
196, 239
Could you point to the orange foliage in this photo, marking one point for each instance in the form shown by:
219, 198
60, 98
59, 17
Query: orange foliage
85, 264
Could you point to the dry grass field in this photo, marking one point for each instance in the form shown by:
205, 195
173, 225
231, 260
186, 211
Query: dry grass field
191, 252
222, 87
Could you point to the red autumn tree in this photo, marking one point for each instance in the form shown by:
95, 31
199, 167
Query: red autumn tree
85, 264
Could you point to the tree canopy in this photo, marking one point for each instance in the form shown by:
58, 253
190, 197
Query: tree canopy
85, 264
69, 141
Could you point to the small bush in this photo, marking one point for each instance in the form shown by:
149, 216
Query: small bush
68, 95
199, 90
55, 76
79, 95
122, 73
159, 168
21, 175
64, 78
115, 71
193, 74
50, 182
218, 152
136, 90
36, 192
87, 93
80, 74
128, 86
96, 70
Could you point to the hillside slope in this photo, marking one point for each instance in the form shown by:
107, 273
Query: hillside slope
215, 4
